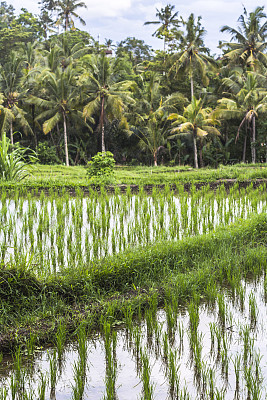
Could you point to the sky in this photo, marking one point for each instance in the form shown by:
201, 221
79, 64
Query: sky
118, 19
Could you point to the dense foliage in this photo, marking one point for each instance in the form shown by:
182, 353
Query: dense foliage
69, 93
101, 167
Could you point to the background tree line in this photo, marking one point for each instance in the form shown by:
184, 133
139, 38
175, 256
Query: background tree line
67, 96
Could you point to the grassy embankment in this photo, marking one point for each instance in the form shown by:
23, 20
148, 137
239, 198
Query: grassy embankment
52, 176
129, 282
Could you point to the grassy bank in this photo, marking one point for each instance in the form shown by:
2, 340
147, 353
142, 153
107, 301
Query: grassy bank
111, 288
44, 176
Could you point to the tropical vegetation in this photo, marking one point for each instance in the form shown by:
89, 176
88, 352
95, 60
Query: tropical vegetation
61, 89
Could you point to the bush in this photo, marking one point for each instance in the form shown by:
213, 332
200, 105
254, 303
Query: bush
101, 168
47, 154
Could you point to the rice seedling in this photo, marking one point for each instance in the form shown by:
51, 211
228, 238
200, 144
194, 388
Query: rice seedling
183, 394
53, 373
237, 368
193, 316
137, 343
19, 372
128, 317
80, 380
210, 387
148, 387
221, 309
247, 343
165, 347
253, 311
171, 320
60, 339
3, 393
173, 374
30, 344
253, 385
13, 387
110, 342
180, 336
42, 387
240, 291
211, 292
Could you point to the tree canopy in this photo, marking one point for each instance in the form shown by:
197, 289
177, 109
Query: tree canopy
60, 88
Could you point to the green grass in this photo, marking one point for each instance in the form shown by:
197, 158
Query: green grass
58, 175
127, 281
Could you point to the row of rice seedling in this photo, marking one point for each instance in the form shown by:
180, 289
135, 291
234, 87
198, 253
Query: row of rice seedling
205, 349
60, 231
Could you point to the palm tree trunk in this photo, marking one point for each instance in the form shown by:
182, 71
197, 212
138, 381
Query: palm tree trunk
66, 22
33, 126
103, 149
195, 150
192, 87
66, 139
11, 133
244, 150
201, 145
253, 141
155, 158
245, 143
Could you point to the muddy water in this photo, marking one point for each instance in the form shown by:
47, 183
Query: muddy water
232, 330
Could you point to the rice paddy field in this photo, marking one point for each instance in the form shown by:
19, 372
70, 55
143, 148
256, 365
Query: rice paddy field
133, 295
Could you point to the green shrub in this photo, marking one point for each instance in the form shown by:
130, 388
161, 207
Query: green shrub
47, 154
101, 168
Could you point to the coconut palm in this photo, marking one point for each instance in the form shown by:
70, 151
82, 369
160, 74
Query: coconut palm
106, 98
32, 54
166, 20
153, 130
47, 23
152, 119
61, 97
194, 56
245, 100
70, 54
249, 48
13, 93
197, 121
66, 12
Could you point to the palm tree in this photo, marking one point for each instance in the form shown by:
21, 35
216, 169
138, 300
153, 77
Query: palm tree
13, 93
197, 121
60, 103
6, 116
70, 54
152, 120
67, 10
32, 59
166, 19
105, 97
46, 22
250, 40
245, 101
194, 56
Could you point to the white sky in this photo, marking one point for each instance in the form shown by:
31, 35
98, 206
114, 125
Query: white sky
118, 19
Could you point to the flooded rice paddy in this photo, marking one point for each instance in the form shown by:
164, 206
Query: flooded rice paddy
215, 350
59, 231
204, 350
